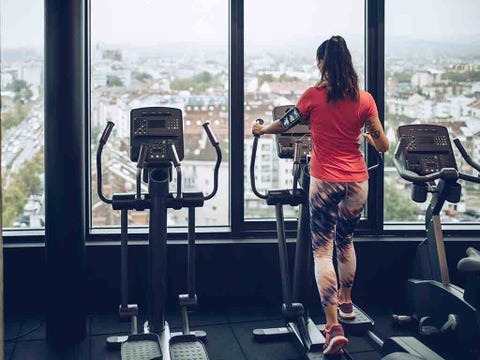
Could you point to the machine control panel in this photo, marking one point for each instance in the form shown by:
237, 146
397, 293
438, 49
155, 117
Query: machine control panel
425, 149
299, 133
157, 128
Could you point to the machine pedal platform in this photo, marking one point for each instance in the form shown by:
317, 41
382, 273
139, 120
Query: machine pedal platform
360, 324
187, 347
142, 347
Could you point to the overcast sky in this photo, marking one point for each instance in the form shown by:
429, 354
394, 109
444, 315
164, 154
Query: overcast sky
146, 22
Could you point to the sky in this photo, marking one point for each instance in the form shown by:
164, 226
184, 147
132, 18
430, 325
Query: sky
144, 22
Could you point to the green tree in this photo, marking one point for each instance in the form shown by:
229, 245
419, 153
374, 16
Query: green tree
397, 206
21, 89
13, 201
15, 116
23, 184
405, 76
286, 78
197, 83
142, 76
462, 77
113, 80
17, 86
265, 78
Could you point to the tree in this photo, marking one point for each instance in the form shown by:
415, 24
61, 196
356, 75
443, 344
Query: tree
113, 80
24, 183
142, 76
21, 89
17, 86
14, 117
397, 206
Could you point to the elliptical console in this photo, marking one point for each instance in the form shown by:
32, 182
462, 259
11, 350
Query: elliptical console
158, 127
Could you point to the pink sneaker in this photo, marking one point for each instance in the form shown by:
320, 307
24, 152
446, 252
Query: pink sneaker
335, 340
345, 310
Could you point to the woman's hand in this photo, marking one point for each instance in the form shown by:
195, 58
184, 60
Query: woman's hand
369, 138
257, 129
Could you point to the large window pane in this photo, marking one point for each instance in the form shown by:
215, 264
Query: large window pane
432, 75
21, 85
280, 49
160, 53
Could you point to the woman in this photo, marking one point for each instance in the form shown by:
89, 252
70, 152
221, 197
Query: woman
337, 111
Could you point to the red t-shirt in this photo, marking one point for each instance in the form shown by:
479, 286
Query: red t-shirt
336, 130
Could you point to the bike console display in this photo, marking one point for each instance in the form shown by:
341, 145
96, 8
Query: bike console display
157, 128
425, 149
298, 134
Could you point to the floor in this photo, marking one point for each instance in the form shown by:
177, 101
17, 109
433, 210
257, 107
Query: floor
229, 336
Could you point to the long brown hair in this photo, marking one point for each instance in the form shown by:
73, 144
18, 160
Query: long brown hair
337, 70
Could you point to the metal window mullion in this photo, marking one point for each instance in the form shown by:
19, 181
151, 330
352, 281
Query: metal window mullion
236, 115
375, 84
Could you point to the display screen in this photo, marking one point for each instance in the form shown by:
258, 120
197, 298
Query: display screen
156, 124
426, 140
290, 118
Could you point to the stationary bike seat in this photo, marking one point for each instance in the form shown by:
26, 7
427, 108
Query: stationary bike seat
471, 262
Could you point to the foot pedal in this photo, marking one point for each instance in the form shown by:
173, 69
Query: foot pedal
187, 347
360, 324
142, 347
271, 334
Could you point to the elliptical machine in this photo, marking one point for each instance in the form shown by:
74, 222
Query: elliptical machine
156, 142
296, 144
423, 155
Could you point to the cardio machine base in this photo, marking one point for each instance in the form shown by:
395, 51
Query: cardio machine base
163, 346
448, 300
292, 331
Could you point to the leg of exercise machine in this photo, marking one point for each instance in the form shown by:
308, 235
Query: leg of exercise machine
424, 154
156, 143
296, 144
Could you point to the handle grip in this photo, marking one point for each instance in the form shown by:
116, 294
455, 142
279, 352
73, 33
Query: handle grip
106, 133
464, 154
210, 134
142, 156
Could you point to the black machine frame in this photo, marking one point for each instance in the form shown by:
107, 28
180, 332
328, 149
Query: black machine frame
424, 156
156, 145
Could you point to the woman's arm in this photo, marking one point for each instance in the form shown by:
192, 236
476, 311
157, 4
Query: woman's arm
273, 128
376, 136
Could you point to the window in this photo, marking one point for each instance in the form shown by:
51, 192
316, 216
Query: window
432, 75
152, 53
21, 86
280, 49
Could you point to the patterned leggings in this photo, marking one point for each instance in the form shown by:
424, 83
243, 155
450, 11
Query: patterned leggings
335, 209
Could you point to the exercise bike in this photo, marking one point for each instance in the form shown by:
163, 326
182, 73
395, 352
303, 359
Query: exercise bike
156, 143
296, 144
424, 157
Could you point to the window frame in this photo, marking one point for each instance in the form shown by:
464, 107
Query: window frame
372, 226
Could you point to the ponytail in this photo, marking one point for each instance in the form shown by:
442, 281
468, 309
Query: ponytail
337, 70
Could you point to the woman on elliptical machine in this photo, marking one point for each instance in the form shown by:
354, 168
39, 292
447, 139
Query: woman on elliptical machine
337, 111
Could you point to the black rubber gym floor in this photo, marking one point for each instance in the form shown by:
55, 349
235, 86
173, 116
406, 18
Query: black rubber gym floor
229, 336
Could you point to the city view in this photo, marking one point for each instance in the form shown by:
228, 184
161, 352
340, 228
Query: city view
426, 81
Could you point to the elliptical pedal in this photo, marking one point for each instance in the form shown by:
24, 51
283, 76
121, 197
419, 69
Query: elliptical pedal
142, 347
187, 347
360, 323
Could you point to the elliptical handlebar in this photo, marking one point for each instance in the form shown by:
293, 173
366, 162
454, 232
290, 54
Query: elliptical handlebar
379, 160
467, 157
103, 140
446, 173
216, 145
252, 163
